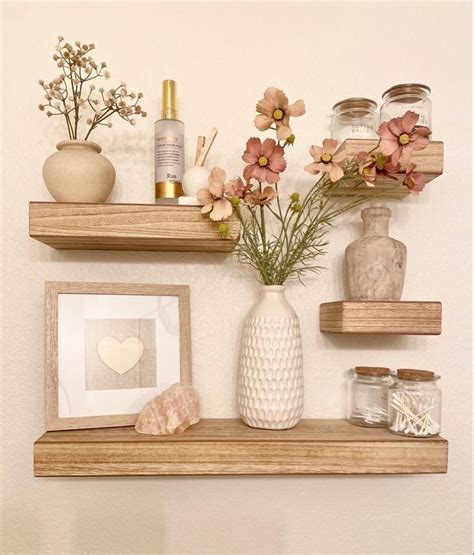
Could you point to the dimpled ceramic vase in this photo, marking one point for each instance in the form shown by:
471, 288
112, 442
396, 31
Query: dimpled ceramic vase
270, 386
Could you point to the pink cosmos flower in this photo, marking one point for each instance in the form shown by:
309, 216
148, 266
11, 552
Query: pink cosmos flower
265, 161
236, 188
414, 180
373, 165
326, 160
218, 207
399, 138
275, 109
261, 198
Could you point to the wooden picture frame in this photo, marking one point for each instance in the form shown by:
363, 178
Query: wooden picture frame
65, 293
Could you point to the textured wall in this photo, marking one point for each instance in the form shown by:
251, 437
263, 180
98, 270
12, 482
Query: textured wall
223, 56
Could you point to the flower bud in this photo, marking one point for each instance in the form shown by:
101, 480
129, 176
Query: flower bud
235, 201
296, 207
290, 140
295, 197
223, 229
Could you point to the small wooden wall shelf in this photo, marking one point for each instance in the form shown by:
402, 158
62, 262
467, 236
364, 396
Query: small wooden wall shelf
381, 317
429, 161
227, 446
128, 227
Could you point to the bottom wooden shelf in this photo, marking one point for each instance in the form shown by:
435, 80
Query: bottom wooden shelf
227, 446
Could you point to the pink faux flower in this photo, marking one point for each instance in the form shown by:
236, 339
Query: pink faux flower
414, 180
261, 198
265, 161
371, 166
275, 109
236, 188
218, 207
326, 160
399, 138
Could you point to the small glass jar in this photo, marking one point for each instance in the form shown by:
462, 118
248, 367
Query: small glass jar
410, 96
414, 404
368, 396
354, 118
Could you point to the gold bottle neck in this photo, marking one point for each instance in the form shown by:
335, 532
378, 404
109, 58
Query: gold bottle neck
168, 100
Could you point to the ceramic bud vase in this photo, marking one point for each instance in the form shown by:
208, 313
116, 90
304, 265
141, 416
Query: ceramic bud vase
270, 388
376, 263
79, 173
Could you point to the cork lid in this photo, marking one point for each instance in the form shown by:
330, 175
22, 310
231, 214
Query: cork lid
414, 375
372, 371
406, 88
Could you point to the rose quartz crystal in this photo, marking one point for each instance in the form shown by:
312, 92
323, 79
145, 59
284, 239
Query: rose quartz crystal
171, 412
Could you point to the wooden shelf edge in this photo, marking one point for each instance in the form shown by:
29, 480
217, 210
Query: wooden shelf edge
128, 227
430, 161
228, 447
381, 317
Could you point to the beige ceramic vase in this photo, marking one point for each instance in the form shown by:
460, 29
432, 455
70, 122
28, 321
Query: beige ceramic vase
376, 263
79, 173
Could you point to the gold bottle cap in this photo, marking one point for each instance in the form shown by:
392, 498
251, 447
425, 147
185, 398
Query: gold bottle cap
168, 100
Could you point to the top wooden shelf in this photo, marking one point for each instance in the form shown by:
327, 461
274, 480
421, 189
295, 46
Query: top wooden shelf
429, 161
128, 227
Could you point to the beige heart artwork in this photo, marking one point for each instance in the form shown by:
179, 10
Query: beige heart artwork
120, 356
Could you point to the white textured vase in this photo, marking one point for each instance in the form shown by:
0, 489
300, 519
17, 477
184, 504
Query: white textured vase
270, 387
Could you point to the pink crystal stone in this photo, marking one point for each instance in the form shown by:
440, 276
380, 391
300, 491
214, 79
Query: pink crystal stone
171, 412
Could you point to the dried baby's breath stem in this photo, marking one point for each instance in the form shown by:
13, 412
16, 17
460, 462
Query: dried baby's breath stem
66, 95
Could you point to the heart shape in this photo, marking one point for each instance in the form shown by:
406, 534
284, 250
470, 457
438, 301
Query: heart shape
120, 357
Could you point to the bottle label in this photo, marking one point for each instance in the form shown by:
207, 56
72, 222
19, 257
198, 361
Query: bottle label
169, 158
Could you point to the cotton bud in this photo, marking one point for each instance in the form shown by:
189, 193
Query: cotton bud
60, 38
91, 46
41, 107
101, 90
49, 114
55, 57
92, 87
106, 74
103, 64
109, 124
143, 114
89, 121
140, 95
41, 82
133, 122
61, 63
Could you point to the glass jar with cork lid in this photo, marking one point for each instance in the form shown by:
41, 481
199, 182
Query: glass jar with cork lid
368, 396
354, 118
414, 403
397, 100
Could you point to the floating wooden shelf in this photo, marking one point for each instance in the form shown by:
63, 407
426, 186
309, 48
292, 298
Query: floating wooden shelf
429, 161
128, 227
227, 446
381, 317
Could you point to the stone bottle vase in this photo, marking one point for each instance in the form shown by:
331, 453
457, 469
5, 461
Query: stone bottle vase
270, 386
77, 172
375, 264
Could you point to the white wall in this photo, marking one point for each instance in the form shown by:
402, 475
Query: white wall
223, 56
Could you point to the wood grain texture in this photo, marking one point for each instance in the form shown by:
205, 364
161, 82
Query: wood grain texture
381, 317
133, 227
429, 161
55, 288
227, 446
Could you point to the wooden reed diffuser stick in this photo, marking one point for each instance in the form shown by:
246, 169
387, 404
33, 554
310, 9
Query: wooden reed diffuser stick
207, 147
200, 144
